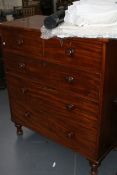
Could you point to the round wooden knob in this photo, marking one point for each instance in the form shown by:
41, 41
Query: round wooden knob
70, 135
27, 114
70, 107
21, 66
69, 79
70, 51
3, 43
20, 42
24, 90
115, 101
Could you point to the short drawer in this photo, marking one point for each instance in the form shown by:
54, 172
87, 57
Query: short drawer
79, 53
63, 78
22, 42
75, 137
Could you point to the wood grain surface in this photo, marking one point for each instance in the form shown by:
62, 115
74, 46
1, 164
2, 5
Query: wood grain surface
65, 89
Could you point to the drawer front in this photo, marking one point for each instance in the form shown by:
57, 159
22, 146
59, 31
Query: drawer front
66, 133
53, 101
22, 42
79, 53
55, 76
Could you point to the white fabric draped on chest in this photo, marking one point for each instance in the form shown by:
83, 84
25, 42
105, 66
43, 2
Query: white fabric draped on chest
87, 18
90, 12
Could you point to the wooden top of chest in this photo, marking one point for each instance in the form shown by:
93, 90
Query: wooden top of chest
29, 23
33, 23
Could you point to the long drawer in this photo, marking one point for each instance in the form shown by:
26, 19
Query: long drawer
53, 103
67, 134
55, 76
79, 53
22, 42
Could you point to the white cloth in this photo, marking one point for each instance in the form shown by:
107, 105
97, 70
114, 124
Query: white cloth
97, 2
87, 19
88, 12
91, 31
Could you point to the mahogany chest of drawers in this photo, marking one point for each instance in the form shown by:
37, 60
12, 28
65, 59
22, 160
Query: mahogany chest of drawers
65, 89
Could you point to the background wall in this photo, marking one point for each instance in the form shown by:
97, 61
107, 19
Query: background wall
9, 4
55, 1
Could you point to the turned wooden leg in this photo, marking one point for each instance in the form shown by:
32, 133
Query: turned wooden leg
19, 129
94, 167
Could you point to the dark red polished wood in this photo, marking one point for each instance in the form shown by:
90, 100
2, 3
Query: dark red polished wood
67, 83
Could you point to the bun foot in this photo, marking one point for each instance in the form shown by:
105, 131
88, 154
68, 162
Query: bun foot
19, 129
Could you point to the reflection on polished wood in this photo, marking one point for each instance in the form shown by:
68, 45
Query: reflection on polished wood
66, 92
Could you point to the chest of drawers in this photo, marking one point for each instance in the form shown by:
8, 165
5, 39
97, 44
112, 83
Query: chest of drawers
65, 89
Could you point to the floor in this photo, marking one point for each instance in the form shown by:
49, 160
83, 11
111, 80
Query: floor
32, 154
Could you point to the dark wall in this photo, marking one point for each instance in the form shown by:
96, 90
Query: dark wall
46, 7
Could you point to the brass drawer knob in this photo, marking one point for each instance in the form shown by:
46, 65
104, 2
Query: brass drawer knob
69, 79
70, 135
21, 66
20, 42
70, 52
27, 114
70, 107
